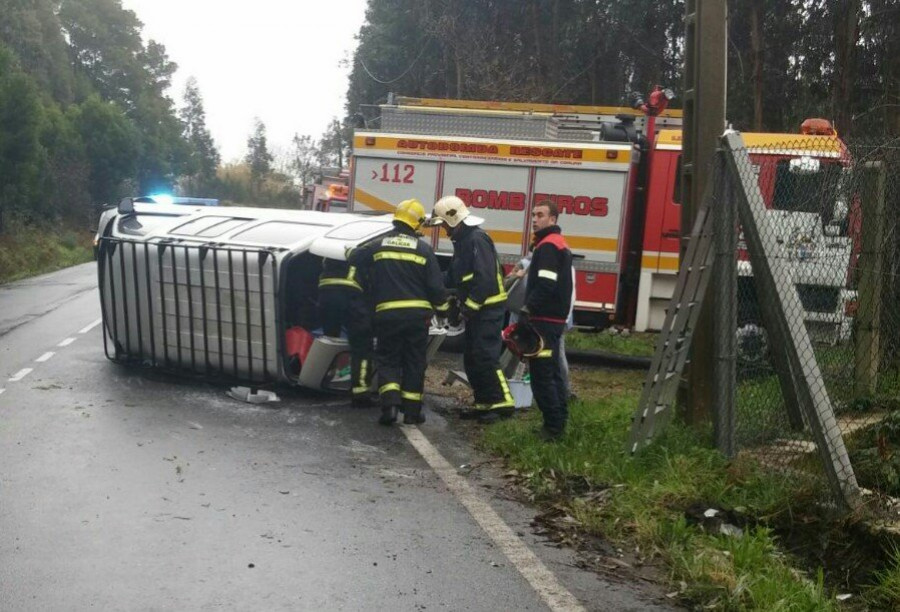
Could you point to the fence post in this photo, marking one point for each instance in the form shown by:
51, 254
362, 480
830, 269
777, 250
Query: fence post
871, 264
725, 307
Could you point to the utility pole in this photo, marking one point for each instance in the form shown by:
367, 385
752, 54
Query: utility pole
705, 67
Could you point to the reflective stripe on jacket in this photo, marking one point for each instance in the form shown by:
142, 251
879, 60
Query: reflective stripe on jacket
336, 273
475, 270
548, 292
402, 273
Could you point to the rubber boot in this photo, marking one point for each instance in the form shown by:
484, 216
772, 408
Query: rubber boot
492, 416
413, 416
361, 401
388, 415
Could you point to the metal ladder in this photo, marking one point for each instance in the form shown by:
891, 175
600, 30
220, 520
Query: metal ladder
674, 343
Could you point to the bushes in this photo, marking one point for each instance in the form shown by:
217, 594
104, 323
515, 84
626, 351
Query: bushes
27, 249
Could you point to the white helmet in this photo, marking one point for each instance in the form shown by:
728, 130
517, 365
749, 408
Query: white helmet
452, 210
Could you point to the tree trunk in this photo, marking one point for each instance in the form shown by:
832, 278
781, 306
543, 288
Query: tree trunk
448, 71
757, 61
536, 34
554, 69
459, 74
846, 35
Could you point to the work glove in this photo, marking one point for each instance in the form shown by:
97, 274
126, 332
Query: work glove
454, 314
467, 313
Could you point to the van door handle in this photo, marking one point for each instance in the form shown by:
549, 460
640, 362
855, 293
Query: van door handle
672, 234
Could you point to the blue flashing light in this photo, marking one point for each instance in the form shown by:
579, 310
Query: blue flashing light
163, 198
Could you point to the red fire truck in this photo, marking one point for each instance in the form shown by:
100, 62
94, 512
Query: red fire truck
329, 194
614, 174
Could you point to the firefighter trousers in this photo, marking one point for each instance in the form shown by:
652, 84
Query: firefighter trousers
481, 359
547, 383
400, 354
345, 309
362, 362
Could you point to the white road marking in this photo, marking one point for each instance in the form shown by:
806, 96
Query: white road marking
541, 579
1, 391
67, 342
20, 374
45, 357
90, 327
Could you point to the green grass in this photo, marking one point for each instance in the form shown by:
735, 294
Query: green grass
884, 593
634, 344
27, 250
649, 493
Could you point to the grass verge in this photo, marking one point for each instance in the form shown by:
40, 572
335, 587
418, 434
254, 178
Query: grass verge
632, 344
654, 502
28, 249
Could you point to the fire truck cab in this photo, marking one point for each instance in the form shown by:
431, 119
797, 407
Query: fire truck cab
801, 180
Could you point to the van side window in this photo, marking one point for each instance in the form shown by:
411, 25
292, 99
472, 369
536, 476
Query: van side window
141, 225
208, 227
280, 233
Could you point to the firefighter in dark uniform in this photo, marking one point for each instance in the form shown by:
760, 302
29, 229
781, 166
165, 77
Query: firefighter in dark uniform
548, 297
343, 303
477, 280
406, 289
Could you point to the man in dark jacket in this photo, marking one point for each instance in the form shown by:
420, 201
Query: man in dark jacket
477, 280
406, 288
343, 304
548, 299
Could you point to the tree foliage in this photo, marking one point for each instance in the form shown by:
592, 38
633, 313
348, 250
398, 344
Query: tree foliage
303, 158
204, 156
332, 149
85, 115
787, 59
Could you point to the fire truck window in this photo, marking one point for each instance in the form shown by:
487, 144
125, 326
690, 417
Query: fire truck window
814, 192
280, 233
676, 190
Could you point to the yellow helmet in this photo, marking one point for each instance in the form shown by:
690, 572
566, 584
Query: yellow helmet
411, 212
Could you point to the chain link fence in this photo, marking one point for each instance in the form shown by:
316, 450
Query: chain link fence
832, 224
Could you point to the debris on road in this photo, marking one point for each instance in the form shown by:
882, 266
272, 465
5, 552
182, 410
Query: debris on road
252, 395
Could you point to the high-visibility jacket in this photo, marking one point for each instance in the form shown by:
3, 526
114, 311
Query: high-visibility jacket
342, 292
339, 274
548, 292
403, 275
475, 270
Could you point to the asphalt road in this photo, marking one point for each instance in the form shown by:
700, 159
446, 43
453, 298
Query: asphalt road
126, 489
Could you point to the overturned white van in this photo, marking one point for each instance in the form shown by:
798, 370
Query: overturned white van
226, 292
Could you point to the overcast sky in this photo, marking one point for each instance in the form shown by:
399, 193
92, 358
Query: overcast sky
278, 60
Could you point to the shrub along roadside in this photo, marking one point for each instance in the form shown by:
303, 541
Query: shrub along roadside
31, 249
648, 497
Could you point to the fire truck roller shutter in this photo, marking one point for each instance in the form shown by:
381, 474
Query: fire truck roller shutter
592, 216
380, 183
498, 194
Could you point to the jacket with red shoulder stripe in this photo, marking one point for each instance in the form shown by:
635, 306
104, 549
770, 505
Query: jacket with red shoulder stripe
548, 292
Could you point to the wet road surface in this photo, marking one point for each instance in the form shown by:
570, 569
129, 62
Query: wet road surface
129, 489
